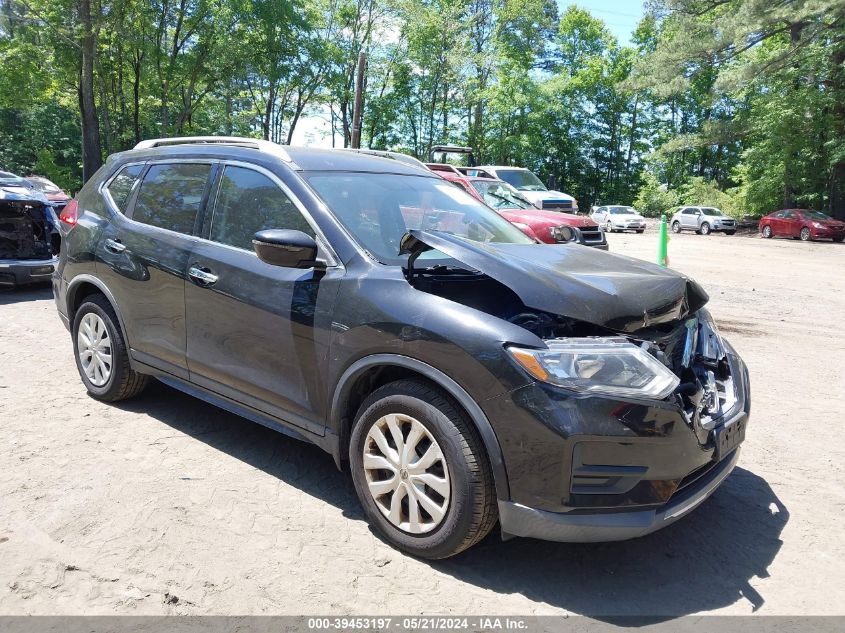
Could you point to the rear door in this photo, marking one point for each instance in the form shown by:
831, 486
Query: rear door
257, 333
791, 223
776, 223
142, 256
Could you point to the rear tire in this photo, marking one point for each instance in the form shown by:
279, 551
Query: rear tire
805, 235
101, 353
426, 419
676, 227
838, 240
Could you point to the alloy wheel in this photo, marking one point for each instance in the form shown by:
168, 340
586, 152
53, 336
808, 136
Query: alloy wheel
406, 473
805, 234
676, 227
767, 231
95, 350
608, 227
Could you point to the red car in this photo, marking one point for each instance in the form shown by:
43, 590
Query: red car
551, 227
58, 198
802, 223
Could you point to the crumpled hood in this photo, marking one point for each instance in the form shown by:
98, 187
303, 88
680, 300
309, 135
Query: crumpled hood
620, 293
20, 192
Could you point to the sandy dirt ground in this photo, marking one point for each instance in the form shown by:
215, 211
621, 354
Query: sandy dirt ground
168, 505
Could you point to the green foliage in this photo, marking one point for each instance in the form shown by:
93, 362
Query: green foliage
700, 192
738, 104
654, 198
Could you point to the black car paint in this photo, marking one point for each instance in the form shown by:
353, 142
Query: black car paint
302, 346
575, 282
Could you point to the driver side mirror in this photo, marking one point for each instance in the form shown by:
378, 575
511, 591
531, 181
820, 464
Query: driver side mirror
285, 247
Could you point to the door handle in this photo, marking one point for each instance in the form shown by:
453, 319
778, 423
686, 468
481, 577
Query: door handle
115, 246
202, 276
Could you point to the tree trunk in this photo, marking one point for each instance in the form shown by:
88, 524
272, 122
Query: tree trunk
91, 158
837, 181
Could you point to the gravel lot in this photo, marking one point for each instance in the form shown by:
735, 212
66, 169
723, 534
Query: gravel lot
168, 505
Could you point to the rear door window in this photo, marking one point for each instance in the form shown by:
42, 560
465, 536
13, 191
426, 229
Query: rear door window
121, 187
171, 195
248, 202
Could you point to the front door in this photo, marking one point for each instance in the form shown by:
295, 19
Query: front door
689, 218
143, 258
258, 333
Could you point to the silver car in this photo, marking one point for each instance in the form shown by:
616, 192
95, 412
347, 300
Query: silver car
702, 220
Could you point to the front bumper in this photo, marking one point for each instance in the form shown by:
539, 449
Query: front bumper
520, 520
19, 272
589, 468
827, 233
629, 226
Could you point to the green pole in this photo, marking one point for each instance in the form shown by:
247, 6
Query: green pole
663, 243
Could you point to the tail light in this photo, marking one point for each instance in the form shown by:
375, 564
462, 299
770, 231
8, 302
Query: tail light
70, 213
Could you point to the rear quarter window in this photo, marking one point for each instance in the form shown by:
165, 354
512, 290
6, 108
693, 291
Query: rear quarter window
123, 184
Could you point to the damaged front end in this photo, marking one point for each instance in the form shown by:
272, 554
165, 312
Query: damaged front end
29, 240
636, 401
602, 306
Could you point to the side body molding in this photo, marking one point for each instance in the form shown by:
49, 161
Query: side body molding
477, 416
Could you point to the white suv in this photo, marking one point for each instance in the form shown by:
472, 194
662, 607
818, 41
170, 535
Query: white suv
702, 220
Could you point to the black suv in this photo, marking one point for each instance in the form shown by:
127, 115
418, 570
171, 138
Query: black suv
463, 373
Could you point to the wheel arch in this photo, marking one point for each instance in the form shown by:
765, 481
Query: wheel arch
83, 286
370, 372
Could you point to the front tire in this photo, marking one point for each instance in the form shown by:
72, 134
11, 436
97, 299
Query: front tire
704, 229
676, 227
805, 235
608, 228
730, 232
766, 232
420, 471
101, 353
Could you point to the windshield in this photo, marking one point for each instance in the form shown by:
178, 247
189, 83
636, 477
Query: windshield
378, 209
44, 185
816, 215
499, 195
623, 211
522, 179
711, 211
10, 179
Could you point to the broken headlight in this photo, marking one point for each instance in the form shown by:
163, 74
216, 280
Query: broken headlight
601, 366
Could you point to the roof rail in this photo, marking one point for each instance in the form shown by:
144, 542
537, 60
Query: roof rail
398, 156
242, 141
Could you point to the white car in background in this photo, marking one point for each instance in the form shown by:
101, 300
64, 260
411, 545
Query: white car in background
527, 183
614, 218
